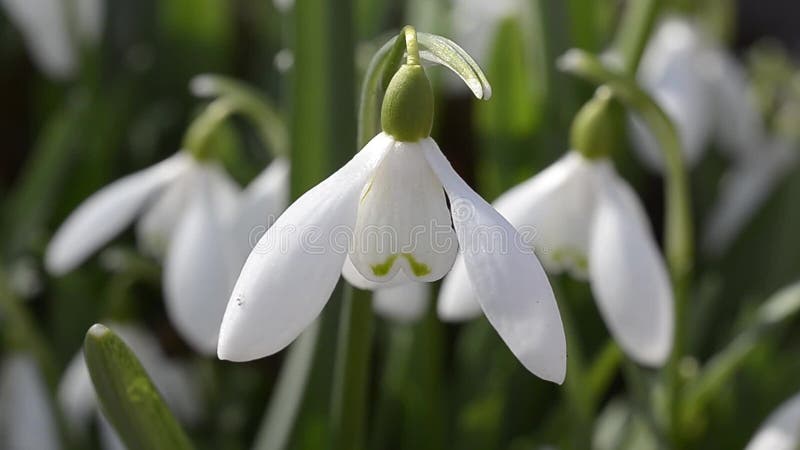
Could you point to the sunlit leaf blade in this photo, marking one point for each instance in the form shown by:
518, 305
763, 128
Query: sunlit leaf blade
127, 396
440, 50
718, 371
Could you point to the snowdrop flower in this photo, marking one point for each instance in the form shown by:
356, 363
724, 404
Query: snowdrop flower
45, 26
173, 379
581, 217
194, 215
26, 415
383, 218
781, 430
702, 88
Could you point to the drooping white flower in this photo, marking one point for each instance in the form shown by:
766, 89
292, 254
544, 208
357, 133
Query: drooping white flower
781, 430
384, 213
581, 217
702, 88
45, 26
27, 419
173, 379
194, 216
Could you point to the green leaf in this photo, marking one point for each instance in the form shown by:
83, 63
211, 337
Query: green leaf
127, 396
443, 51
782, 306
516, 108
288, 394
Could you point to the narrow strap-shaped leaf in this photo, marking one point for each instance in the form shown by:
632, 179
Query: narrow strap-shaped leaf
767, 323
127, 396
290, 388
440, 50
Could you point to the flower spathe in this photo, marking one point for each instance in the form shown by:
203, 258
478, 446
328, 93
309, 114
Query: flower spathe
581, 217
334, 229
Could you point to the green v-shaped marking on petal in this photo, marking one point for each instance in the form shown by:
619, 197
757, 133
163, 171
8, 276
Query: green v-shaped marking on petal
417, 268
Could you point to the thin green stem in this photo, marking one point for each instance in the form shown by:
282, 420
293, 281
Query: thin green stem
351, 377
251, 104
679, 236
203, 127
412, 49
637, 23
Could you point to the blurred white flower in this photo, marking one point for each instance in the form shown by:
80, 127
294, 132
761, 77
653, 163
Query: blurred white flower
45, 26
702, 88
158, 194
781, 430
191, 213
27, 419
383, 219
475, 23
210, 246
174, 380
581, 217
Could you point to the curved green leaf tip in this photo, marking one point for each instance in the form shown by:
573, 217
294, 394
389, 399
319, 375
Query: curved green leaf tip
127, 396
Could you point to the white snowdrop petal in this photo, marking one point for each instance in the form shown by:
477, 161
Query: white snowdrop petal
262, 202
509, 282
43, 24
552, 212
293, 269
628, 274
781, 430
155, 226
403, 223
457, 300
106, 213
403, 303
197, 273
26, 415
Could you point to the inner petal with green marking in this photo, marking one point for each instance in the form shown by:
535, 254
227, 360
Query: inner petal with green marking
403, 227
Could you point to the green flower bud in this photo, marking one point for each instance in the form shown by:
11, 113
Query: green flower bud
596, 128
407, 111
